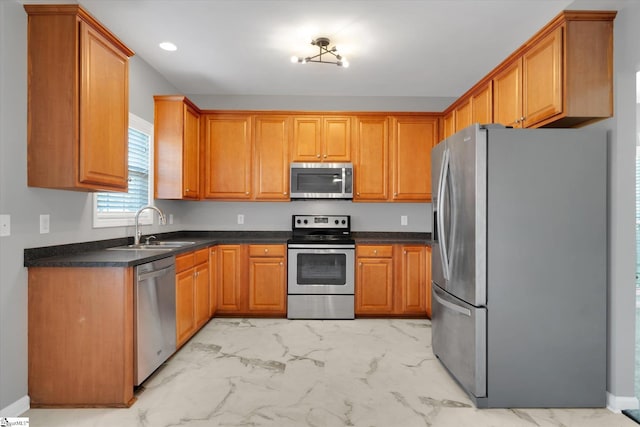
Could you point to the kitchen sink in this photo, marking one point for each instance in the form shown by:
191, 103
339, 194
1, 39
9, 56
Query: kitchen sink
154, 246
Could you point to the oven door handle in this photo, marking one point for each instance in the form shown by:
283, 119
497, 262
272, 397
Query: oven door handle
314, 247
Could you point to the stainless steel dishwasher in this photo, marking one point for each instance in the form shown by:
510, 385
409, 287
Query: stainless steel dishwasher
155, 315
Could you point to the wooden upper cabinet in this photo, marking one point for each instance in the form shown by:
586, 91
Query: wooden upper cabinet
542, 79
463, 115
177, 148
227, 156
271, 158
78, 101
482, 105
413, 137
321, 139
507, 95
371, 165
562, 77
448, 125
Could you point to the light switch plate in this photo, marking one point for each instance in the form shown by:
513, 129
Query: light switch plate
5, 225
240, 219
44, 224
404, 220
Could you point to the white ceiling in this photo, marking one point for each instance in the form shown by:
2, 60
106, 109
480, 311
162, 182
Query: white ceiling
418, 48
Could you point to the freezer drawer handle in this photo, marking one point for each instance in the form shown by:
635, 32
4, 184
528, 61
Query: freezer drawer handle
453, 306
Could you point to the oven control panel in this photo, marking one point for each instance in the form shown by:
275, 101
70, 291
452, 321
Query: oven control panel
322, 221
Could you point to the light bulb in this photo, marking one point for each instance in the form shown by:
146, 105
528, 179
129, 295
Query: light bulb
294, 59
345, 63
168, 46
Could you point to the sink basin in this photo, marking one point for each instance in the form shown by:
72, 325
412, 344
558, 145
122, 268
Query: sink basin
153, 246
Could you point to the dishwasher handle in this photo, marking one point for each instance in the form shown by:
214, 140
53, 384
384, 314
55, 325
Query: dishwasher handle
155, 273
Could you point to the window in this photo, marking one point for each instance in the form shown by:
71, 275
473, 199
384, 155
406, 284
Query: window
118, 209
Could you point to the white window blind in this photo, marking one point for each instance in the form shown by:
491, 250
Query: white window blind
118, 209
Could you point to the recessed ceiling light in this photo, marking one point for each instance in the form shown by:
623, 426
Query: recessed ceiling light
168, 46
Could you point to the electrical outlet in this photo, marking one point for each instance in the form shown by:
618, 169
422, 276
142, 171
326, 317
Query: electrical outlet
240, 219
5, 225
170, 218
404, 220
44, 224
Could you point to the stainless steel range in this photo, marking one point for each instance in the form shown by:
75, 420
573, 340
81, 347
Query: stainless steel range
321, 260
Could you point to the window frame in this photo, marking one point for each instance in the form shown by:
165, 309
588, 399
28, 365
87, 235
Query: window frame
123, 219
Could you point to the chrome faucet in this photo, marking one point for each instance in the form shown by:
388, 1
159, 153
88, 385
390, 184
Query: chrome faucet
163, 221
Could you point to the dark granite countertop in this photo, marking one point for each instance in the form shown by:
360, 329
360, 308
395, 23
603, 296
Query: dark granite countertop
96, 254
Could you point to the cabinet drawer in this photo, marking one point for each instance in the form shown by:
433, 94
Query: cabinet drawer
266, 250
201, 256
185, 262
373, 251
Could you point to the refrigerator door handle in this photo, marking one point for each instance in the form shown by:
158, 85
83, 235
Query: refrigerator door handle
444, 173
452, 306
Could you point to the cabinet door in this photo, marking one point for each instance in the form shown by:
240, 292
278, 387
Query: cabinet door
229, 279
372, 159
227, 157
185, 306
507, 96
448, 125
201, 284
306, 144
374, 286
191, 165
463, 115
412, 280
267, 285
271, 162
213, 281
482, 105
336, 139
542, 79
104, 112
414, 137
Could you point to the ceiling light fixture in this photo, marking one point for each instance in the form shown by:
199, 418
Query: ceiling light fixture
168, 46
323, 43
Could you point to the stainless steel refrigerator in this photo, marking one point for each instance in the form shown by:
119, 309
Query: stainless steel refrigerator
519, 265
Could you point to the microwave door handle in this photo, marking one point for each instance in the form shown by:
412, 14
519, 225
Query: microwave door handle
344, 180
444, 172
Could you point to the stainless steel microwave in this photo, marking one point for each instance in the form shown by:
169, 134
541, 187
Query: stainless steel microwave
321, 181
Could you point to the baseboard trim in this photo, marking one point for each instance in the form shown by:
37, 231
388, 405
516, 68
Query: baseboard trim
17, 408
618, 403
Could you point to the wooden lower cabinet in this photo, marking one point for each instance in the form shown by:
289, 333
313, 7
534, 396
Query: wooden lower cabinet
374, 279
391, 280
192, 293
81, 337
252, 280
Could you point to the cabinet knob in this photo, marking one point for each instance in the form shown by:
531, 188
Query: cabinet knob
357, 194
281, 263
246, 192
360, 264
285, 193
318, 155
325, 156
187, 190
395, 194
266, 251
405, 252
375, 252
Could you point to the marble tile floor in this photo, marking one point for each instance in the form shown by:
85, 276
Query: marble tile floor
277, 372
